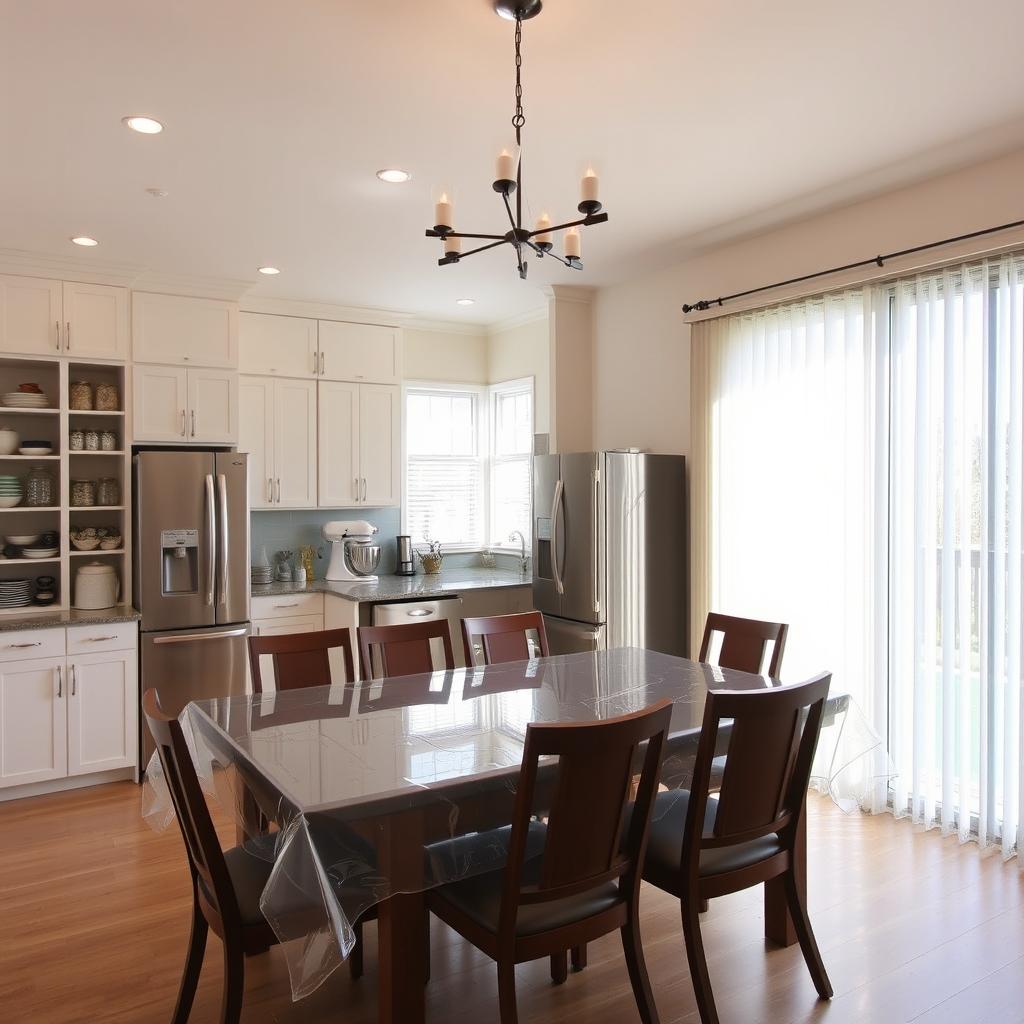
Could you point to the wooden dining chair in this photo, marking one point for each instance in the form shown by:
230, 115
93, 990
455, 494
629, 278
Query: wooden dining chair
585, 881
301, 659
226, 886
503, 637
702, 846
405, 648
744, 642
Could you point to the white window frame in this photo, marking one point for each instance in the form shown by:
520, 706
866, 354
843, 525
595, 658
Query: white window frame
521, 385
485, 395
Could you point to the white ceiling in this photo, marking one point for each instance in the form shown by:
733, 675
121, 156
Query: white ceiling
699, 116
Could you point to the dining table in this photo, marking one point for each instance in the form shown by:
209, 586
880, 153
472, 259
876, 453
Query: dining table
367, 794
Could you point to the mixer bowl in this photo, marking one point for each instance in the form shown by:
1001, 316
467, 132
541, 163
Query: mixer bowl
363, 559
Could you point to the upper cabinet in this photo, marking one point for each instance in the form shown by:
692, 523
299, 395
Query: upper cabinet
364, 353
183, 330
51, 318
95, 321
172, 405
281, 345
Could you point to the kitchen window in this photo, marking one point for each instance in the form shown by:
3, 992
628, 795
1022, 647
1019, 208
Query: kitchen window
468, 453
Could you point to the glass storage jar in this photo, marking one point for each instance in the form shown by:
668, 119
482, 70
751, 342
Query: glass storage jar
108, 398
76, 440
81, 395
83, 493
40, 488
92, 440
108, 441
108, 491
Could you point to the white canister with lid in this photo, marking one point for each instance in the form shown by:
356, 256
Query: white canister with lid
96, 586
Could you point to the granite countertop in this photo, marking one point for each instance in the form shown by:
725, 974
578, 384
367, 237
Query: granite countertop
40, 618
447, 583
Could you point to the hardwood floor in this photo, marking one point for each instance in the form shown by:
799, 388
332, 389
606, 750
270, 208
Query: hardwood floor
94, 913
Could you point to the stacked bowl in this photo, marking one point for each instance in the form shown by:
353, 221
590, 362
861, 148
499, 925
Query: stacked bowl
11, 493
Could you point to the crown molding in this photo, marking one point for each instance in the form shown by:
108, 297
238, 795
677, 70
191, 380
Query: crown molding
519, 320
200, 287
326, 311
73, 268
448, 327
570, 293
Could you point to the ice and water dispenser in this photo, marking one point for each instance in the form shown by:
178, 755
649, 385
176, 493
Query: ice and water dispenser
179, 561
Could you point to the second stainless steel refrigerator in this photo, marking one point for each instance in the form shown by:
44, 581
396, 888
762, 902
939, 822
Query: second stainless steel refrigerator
191, 574
609, 551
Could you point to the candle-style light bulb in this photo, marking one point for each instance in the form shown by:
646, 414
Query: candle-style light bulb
572, 244
452, 246
505, 167
588, 186
543, 223
443, 212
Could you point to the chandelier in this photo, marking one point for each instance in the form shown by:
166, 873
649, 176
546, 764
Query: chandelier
509, 181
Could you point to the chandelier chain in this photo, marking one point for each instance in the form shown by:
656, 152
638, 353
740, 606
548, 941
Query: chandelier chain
520, 118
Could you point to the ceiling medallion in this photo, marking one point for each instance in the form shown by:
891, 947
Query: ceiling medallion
509, 181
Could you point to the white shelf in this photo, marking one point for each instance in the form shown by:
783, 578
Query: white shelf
72, 452
30, 458
95, 412
95, 508
32, 609
5, 409
31, 508
97, 551
28, 561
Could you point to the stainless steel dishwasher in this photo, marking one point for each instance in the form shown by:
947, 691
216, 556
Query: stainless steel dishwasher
449, 608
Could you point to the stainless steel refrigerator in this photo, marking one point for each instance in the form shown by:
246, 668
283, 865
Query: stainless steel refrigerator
609, 551
191, 574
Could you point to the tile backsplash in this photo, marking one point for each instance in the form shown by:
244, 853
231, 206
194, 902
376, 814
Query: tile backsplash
290, 530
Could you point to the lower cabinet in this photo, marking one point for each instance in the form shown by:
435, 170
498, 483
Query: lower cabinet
69, 715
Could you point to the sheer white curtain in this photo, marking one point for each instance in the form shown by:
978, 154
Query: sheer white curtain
955, 554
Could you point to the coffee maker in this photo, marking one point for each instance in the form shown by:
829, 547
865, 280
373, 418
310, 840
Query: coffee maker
406, 565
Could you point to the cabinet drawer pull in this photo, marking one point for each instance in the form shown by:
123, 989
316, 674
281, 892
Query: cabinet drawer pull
294, 604
98, 639
35, 643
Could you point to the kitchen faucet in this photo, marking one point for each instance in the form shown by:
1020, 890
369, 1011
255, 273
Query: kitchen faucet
522, 549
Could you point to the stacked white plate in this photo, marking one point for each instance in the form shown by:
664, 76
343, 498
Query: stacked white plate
40, 552
15, 593
25, 400
262, 574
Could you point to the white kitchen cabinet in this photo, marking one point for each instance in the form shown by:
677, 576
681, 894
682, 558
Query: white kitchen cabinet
95, 321
213, 406
176, 405
380, 444
160, 402
278, 429
339, 482
365, 353
282, 345
256, 437
33, 721
181, 330
31, 316
102, 716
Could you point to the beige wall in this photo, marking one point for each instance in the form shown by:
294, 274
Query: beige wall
641, 364
522, 351
436, 355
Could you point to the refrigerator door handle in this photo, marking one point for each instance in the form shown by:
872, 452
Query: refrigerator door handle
187, 638
596, 545
223, 537
556, 504
211, 541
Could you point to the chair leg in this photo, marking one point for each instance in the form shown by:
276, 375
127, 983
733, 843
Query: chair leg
193, 965
579, 957
234, 982
559, 967
355, 958
507, 992
805, 935
703, 905
426, 952
698, 964
634, 953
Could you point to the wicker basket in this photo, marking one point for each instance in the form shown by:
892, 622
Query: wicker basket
431, 562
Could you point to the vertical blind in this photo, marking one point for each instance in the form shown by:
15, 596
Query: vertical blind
857, 473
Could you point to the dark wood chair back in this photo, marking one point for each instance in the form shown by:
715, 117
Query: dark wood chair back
584, 846
404, 649
301, 659
772, 738
205, 856
503, 637
744, 642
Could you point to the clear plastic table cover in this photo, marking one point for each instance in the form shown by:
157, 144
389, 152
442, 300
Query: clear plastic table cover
359, 791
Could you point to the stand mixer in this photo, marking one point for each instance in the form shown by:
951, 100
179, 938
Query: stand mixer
354, 556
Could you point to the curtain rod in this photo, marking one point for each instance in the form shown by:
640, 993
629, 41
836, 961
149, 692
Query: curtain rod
703, 304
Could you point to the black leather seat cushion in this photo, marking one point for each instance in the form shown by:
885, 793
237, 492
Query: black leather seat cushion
249, 867
479, 897
665, 840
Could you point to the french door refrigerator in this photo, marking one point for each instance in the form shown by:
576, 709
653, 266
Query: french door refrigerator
191, 575
609, 551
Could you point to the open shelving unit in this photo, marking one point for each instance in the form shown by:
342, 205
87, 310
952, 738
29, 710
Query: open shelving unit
54, 425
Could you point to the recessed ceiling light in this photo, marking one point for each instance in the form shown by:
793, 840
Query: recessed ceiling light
84, 240
394, 175
157, 193
268, 270
145, 125
464, 302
